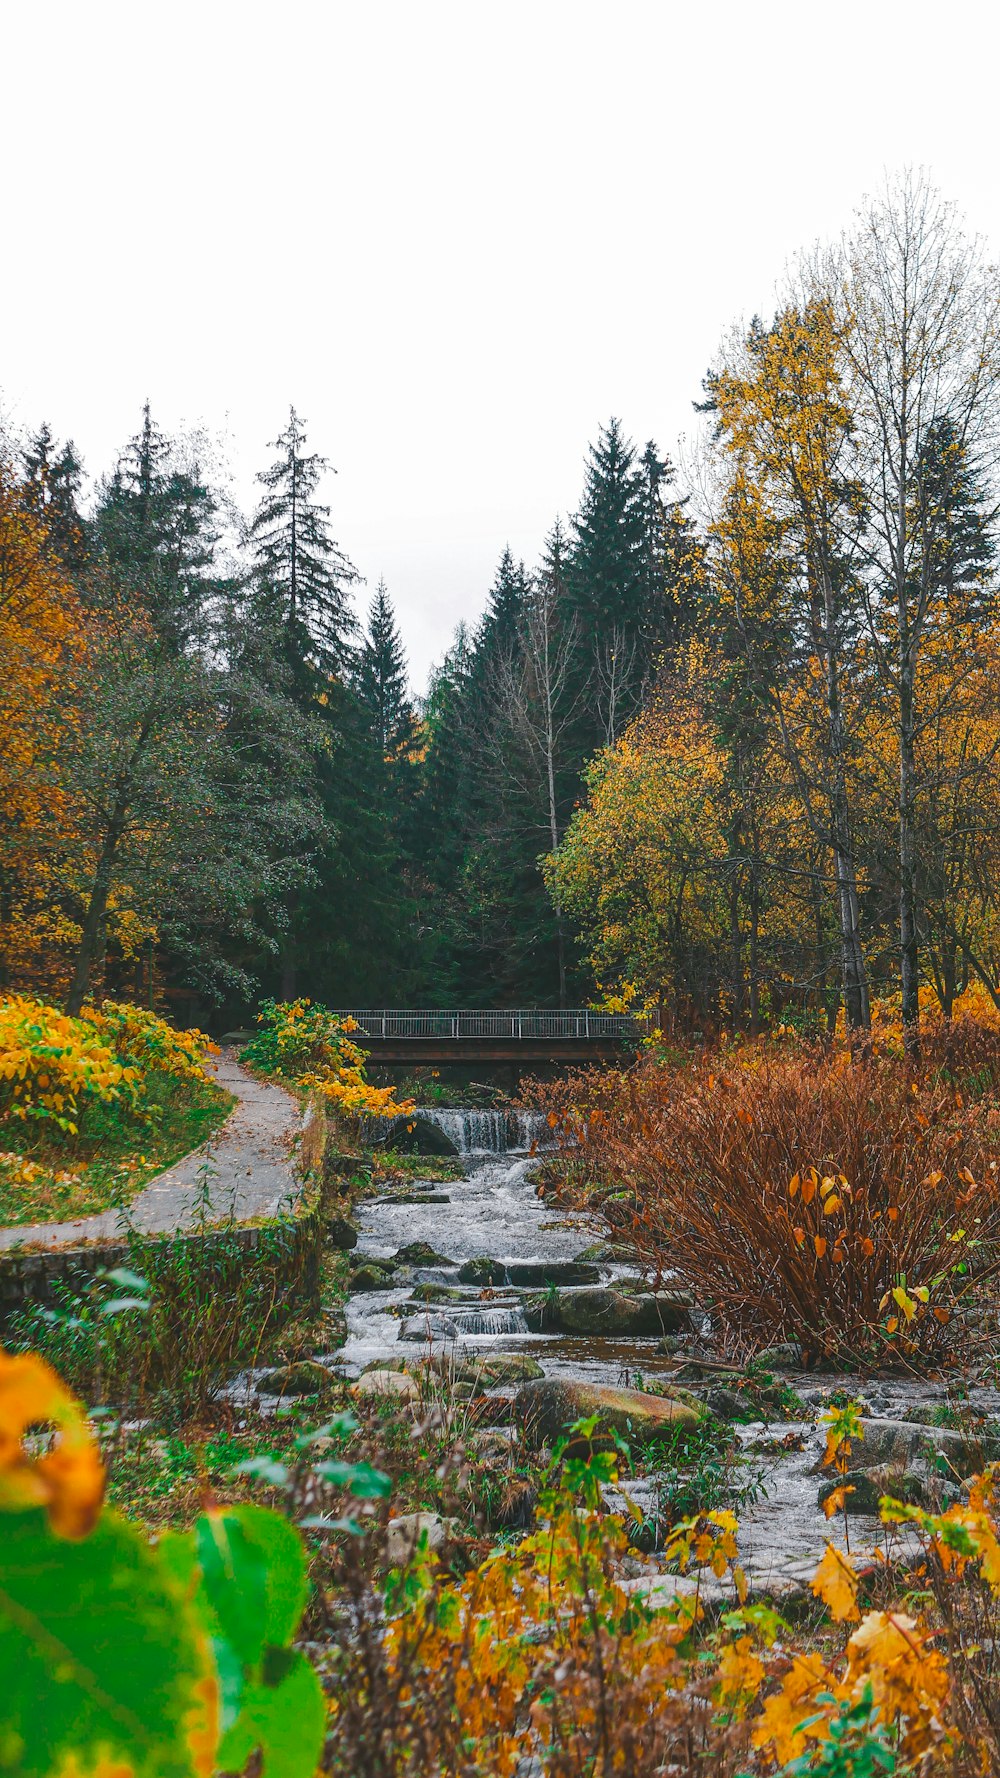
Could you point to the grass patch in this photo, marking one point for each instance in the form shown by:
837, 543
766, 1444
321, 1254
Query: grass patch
46, 1176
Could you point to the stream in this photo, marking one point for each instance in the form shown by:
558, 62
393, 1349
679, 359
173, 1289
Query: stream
493, 1211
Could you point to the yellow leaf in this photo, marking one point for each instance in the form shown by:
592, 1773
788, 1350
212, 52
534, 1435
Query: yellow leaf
836, 1583
836, 1502
69, 1479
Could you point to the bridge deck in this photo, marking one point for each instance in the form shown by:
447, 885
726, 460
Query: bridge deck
523, 1034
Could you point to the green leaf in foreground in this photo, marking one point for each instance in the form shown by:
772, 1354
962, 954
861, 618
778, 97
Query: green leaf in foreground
97, 1652
287, 1721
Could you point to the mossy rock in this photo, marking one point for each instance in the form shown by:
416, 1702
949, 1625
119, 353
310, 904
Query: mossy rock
372, 1277
421, 1253
305, 1377
502, 1370
545, 1409
341, 1233
437, 1293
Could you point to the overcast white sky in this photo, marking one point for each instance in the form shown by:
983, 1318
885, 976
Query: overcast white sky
456, 236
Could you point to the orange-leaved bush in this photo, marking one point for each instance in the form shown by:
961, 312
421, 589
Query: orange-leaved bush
800, 1195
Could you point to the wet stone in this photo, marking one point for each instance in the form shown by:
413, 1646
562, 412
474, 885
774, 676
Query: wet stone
428, 1327
372, 1278
341, 1233
415, 1134
421, 1253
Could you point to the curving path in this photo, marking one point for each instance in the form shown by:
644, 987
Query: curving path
246, 1170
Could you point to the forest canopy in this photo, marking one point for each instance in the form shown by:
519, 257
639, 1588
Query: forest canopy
730, 746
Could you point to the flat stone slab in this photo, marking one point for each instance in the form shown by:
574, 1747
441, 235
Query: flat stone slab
245, 1170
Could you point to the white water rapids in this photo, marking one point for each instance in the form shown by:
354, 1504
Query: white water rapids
494, 1211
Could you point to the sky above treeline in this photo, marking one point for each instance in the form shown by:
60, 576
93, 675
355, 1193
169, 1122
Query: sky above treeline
457, 237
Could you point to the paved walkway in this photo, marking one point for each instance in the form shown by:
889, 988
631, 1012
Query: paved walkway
246, 1170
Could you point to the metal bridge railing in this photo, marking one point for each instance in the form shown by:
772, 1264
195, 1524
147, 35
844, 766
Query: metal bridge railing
532, 1022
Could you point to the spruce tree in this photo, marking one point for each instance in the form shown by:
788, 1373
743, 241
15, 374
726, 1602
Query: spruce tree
302, 573
380, 681
499, 629
155, 529
607, 575
53, 477
672, 563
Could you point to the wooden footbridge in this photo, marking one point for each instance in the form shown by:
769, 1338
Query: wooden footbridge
526, 1035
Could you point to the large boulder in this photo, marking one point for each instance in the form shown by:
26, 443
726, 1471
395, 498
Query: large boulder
544, 1410
412, 1531
607, 1312
421, 1253
341, 1233
417, 1135
387, 1383
428, 1327
537, 1274
305, 1377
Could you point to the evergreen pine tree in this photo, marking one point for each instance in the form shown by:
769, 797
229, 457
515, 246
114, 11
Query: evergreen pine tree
53, 479
155, 528
499, 629
951, 505
302, 573
380, 681
608, 583
671, 559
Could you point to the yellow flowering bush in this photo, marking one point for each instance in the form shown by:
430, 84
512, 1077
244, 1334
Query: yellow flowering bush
140, 1039
311, 1047
50, 1063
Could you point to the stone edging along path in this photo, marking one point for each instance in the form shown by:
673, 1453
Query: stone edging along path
246, 1170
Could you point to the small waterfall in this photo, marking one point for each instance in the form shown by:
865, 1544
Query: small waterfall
489, 1132
477, 1132
488, 1321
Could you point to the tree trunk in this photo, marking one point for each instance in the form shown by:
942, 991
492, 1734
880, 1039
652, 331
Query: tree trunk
852, 959
90, 936
909, 954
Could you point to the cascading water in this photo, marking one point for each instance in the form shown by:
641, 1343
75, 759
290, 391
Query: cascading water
491, 1213
476, 1131
489, 1321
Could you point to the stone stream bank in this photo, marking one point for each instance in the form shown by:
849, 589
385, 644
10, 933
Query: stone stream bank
481, 1271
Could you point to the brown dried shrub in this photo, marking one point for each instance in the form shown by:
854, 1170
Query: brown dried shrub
795, 1191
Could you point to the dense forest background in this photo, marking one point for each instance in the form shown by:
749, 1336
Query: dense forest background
736, 753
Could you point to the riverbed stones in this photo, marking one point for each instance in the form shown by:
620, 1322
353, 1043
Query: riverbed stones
606, 1313
373, 1277
899, 1444
305, 1377
606, 1252
428, 1327
414, 1134
341, 1233
538, 1274
501, 1370
544, 1410
385, 1382
438, 1293
421, 1253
